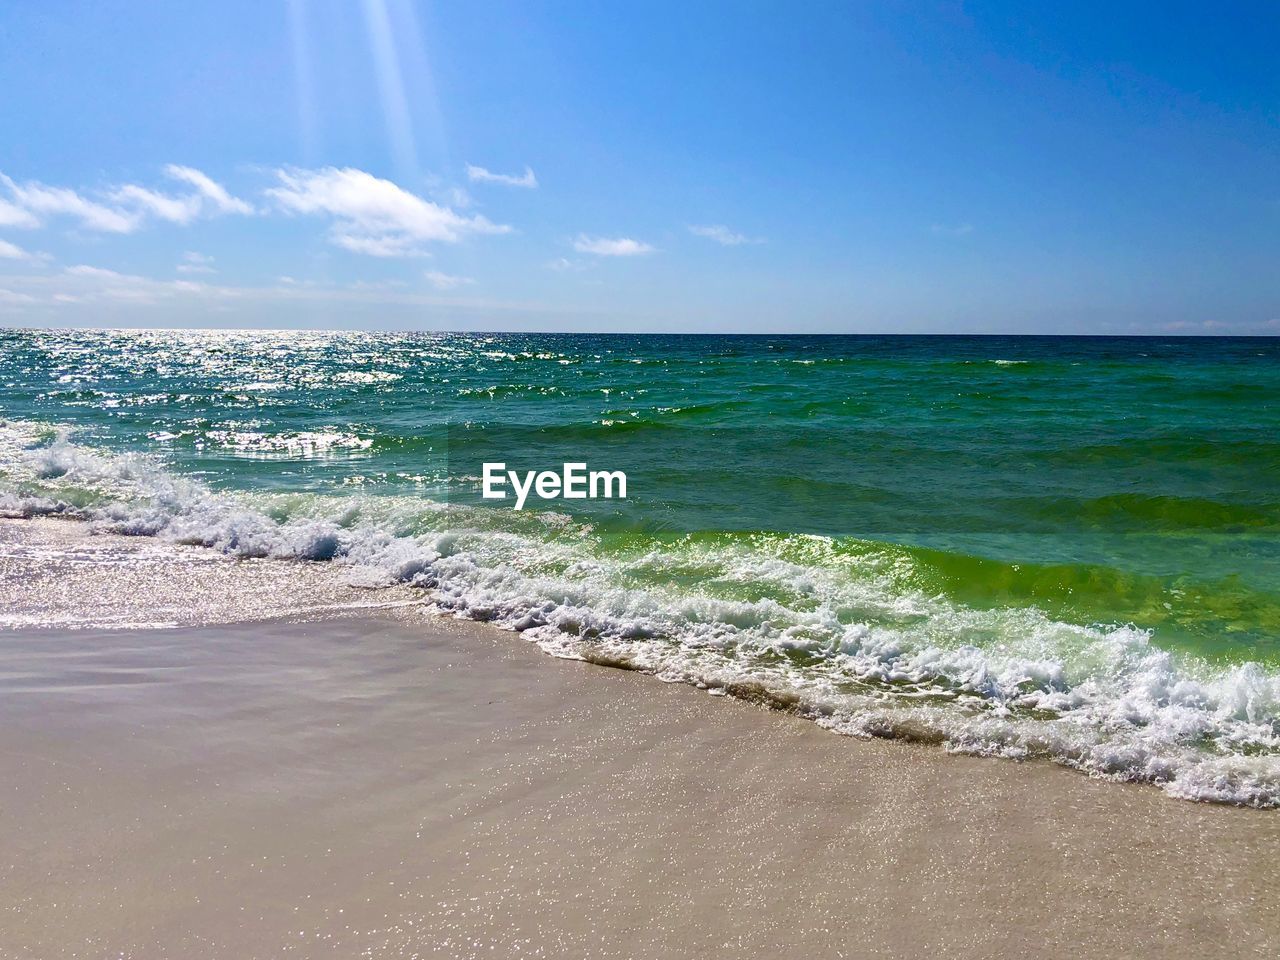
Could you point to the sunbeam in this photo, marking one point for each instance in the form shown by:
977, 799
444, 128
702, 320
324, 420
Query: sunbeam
308, 132
395, 106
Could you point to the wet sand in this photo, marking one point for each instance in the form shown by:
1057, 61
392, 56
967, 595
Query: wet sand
341, 783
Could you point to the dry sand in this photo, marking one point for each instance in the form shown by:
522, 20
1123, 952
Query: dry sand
387, 784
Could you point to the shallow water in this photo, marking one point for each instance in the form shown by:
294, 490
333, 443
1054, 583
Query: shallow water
1063, 547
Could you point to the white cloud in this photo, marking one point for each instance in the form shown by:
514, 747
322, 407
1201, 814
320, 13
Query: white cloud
481, 175
193, 262
372, 215
722, 235
610, 247
12, 215
127, 206
209, 199
11, 251
208, 190
386, 245
180, 210
39, 201
445, 281
84, 270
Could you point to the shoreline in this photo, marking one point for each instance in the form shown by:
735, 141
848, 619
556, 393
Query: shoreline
379, 780
198, 586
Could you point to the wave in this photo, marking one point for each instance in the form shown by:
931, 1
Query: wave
849, 633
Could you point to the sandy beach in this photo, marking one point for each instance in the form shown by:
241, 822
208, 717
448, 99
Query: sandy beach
359, 781
491, 481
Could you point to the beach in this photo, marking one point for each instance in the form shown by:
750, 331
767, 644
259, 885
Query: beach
357, 779
639, 482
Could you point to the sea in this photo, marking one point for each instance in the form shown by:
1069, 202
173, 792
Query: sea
1065, 548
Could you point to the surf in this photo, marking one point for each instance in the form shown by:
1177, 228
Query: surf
848, 633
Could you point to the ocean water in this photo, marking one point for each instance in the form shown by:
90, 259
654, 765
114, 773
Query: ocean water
1065, 548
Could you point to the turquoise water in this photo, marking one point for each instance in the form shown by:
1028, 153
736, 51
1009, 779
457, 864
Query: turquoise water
1025, 546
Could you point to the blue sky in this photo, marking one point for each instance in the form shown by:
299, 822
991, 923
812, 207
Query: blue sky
824, 167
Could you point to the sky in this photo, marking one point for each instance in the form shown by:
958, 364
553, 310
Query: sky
985, 167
